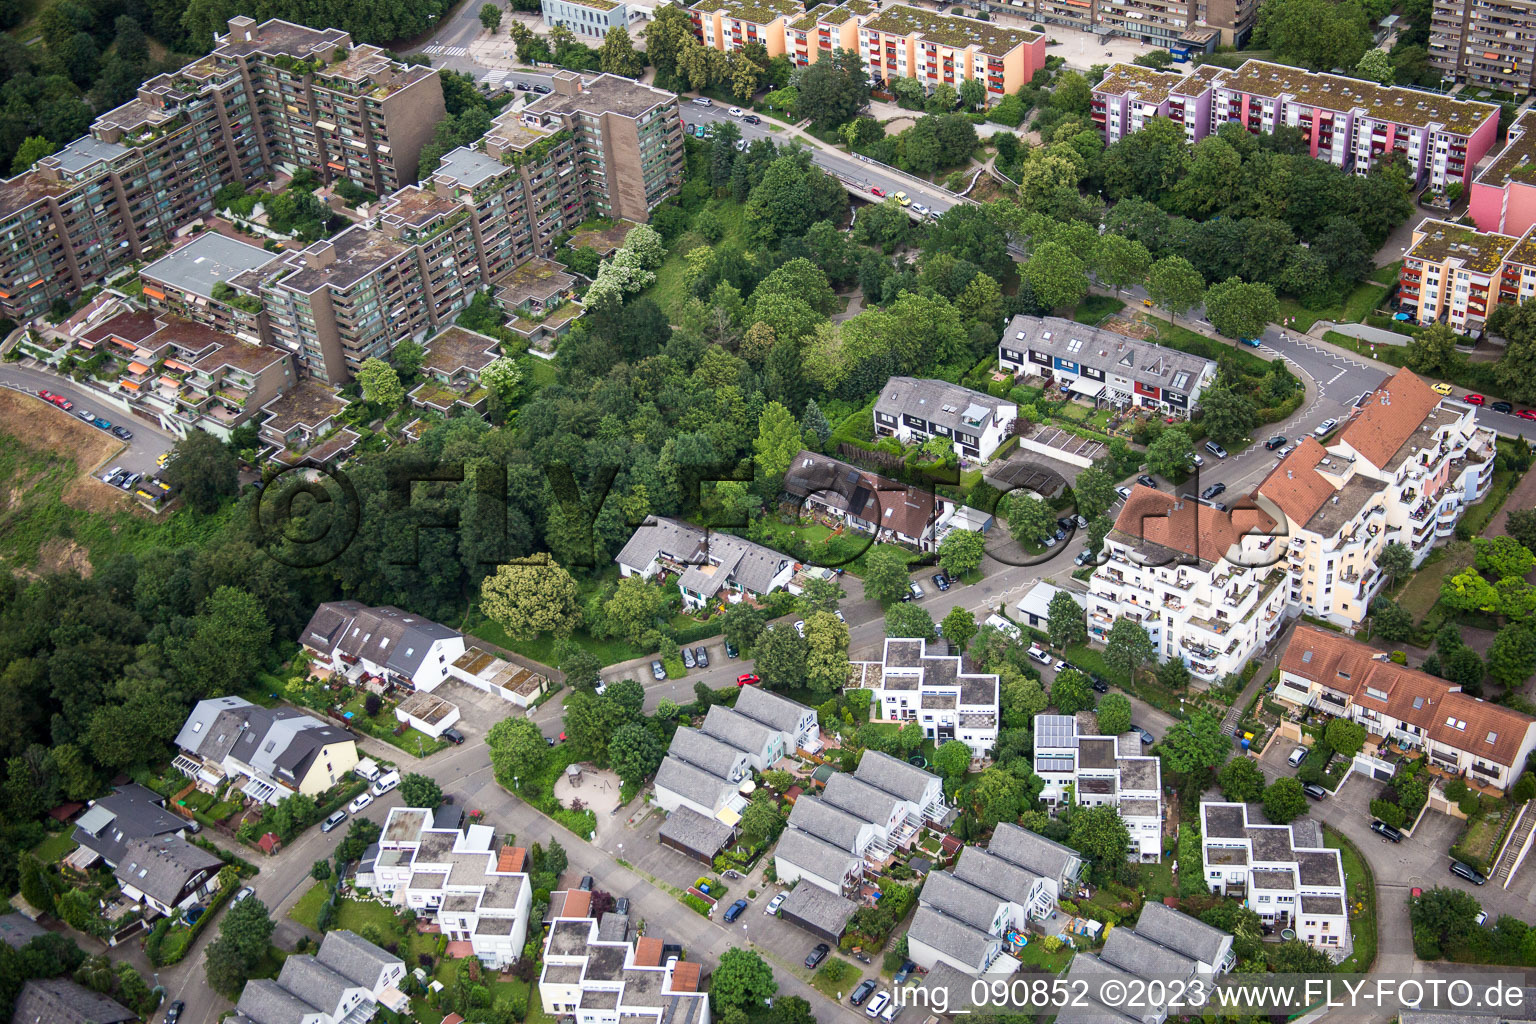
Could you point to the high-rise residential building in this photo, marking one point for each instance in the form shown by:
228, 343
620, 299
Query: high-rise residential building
1485, 43
1348, 122
274, 96
1185, 27
728, 25
1403, 468
1503, 196
1458, 274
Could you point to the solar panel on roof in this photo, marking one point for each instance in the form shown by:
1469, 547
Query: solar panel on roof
1055, 731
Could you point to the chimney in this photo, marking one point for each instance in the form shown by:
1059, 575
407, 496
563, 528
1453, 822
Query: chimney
242, 28
320, 255
567, 83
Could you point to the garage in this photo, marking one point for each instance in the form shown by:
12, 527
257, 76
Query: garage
822, 913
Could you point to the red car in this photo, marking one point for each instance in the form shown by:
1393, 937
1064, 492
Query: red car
748, 679
46, 396
1476, 399
62, 402
1527, 414
878, 193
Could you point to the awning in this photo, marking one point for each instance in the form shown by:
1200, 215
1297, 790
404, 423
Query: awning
1087, 388
729, 817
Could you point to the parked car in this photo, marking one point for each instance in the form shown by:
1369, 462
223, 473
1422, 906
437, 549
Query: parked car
1039, 654
658, 671
916, 591
901, 197
1124, 492
1146, 737
1297, 756
453, 736
1100, 686
800, 628
245, 893
701, 656
1503, 407
1527, 414
333, 820
66, 404
907, 968
386, 782
734, 911
621, 905
101, 424
862, 993
173, 1014
1146, 481
1314, 791
1387, 832
752, 119
1216, 449
1083, 557
735, 112
1283, 452
839, 613
688, 661
89, 417
877, 1005
941, 581
740, 145
1065, 523
362, 800
1440, 388
1213, 490
877, 192
1475, 399
731, 650
162, 459
817, 955
46, 396
523, 87
748, 679
1080, 521
703, 101
1468, 872
774, 904
1325, 426
920, 209
1275, 442
123, 432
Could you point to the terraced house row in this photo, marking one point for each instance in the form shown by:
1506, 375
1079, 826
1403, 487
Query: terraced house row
895, 40
276, 97
1348, 122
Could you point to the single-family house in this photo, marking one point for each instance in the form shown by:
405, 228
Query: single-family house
269, 753
708, 564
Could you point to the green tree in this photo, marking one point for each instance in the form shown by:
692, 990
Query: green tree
36, 886
1376, 66
1521, 525
1502, 557
961, 551
32, 149
1175, 285
1390, 620
781, 658
418, 790
203, 470
952, 760
1057, 276
1394, 561
634, 752
959, 626
742, 980
1240, 309
1284, 801
1030, 520
617, 55
1072, 692
1168, 455
826, 660
1066, 623
1240, 780
1099, 834
503, 378
742, 624
380, 383
1512, 658
490, 18
1120, 262
1196, 744
831, 92
245, 935
1229, 416
1440, 917
1094, 491
999, 795
532, 597
518, 750
906, 619
634, 607
227, 644
776, 445
1467, 591
1021, 698
1344, 737
1114, 714
1128, 647
1432, 351
1295, 956
820, 595
886, 578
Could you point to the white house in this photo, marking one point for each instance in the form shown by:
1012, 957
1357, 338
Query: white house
344, 982
1103, 770
1060, 866
932, 692
381, 643
966, 919
475, 891
1102, 365
708, 563
913, 410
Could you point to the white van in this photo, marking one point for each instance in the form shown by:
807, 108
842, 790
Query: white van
386, 782
367, 768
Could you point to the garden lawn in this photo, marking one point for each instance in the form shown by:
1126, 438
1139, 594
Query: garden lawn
1035, 955
1095, 308
307, 910
542, 648
1363, 300
55, 848
1421, 592
1092, 659
1359, 886
1156, 880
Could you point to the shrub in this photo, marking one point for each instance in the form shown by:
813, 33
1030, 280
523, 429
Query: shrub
690, 900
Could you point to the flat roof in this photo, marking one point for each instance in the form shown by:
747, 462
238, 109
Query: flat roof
950, 30
208, 259
607, 94
761, 12
307, 404
343, 260
1146, 84
1479, 252
1517, 160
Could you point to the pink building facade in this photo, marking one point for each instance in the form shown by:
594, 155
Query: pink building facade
1503, 198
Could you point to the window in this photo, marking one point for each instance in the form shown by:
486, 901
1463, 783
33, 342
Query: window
1456, 723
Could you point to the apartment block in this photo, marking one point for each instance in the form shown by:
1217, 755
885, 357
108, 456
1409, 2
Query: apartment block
1487, 744
596, 972
1485, 43
728, 25
1102, 771
1283, 873
300, 427
913, 410
1348, 122
826, 27
195, 280
473, 889
1100, 364
1503, 195
589, 18
1199, 580
922, 689
943, 48
1404, 468
1454, 274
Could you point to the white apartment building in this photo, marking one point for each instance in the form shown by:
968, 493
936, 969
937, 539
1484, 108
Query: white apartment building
594, 974
932, 692
475, 890
913, 410
1486, 743
1103, 770
1405, 466
1283, 873
1199, 580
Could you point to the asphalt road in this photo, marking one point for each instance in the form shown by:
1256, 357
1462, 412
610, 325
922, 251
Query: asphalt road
149, 442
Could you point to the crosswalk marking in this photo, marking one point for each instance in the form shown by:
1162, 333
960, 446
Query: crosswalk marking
495, 77
442, 50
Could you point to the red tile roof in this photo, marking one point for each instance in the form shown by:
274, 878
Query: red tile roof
511, 858
685, 977
1423, 700
578, 903
648, 952
1296, 485
1389, 417
1188, 526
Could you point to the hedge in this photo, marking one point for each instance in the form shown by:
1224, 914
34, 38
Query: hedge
690, 900
176, 941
